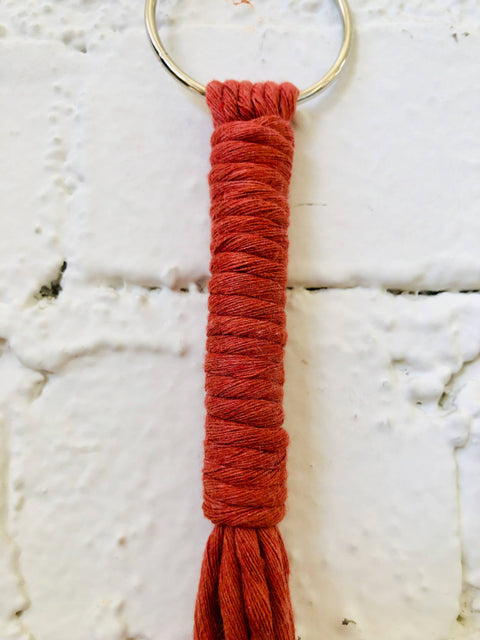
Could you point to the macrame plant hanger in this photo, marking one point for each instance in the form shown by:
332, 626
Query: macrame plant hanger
243, 592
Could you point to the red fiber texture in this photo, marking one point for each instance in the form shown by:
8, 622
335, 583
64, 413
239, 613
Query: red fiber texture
243, 592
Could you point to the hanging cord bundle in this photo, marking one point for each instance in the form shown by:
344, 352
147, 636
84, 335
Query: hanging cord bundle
243, 591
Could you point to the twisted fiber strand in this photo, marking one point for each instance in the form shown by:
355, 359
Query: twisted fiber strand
243, 592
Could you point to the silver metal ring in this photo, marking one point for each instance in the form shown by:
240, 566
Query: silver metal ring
309, 92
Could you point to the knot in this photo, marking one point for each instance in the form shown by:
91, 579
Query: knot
233, 100
244, 472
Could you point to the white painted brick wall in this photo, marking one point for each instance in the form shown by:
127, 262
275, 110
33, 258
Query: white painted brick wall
103, 164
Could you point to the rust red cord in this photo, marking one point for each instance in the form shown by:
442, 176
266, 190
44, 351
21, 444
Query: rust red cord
243, 592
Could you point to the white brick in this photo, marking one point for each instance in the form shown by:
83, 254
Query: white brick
107, 454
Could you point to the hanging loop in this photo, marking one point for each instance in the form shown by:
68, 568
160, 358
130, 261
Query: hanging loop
305, 94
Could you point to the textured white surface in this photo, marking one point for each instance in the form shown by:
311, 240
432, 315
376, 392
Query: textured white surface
385, 187
103, 166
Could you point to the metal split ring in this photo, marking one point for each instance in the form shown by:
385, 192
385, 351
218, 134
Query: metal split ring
305, 94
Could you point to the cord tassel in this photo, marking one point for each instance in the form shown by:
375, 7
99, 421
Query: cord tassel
243, 591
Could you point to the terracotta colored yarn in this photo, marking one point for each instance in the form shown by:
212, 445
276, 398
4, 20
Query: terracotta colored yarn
243, 592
